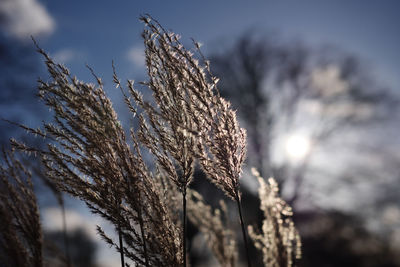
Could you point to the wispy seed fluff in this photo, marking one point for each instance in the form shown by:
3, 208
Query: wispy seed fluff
191, 120
279, 241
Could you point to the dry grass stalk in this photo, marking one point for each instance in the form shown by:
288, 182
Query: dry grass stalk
212, 223
190, 120
279, 241
20, 229
188, 100
90, 156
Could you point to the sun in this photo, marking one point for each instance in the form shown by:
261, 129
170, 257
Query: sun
297, 146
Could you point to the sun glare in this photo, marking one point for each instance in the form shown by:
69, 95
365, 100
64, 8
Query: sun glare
297, 146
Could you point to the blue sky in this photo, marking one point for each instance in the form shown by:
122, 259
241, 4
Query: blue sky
95, 32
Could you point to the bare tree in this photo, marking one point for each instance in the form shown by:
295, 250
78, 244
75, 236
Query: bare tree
280, 89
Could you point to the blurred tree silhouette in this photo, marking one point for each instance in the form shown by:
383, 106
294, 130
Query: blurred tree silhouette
337, 239
82, 248
283, 90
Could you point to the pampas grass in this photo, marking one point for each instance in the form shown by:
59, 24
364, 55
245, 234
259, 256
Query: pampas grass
90, 156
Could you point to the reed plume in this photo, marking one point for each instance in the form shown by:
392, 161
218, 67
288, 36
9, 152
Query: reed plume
20, 230
91, 157
279, 241
213, 224
190, 120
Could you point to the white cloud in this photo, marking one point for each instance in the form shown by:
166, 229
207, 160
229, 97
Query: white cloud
136, 56
65, 55
52, 221
23, 18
